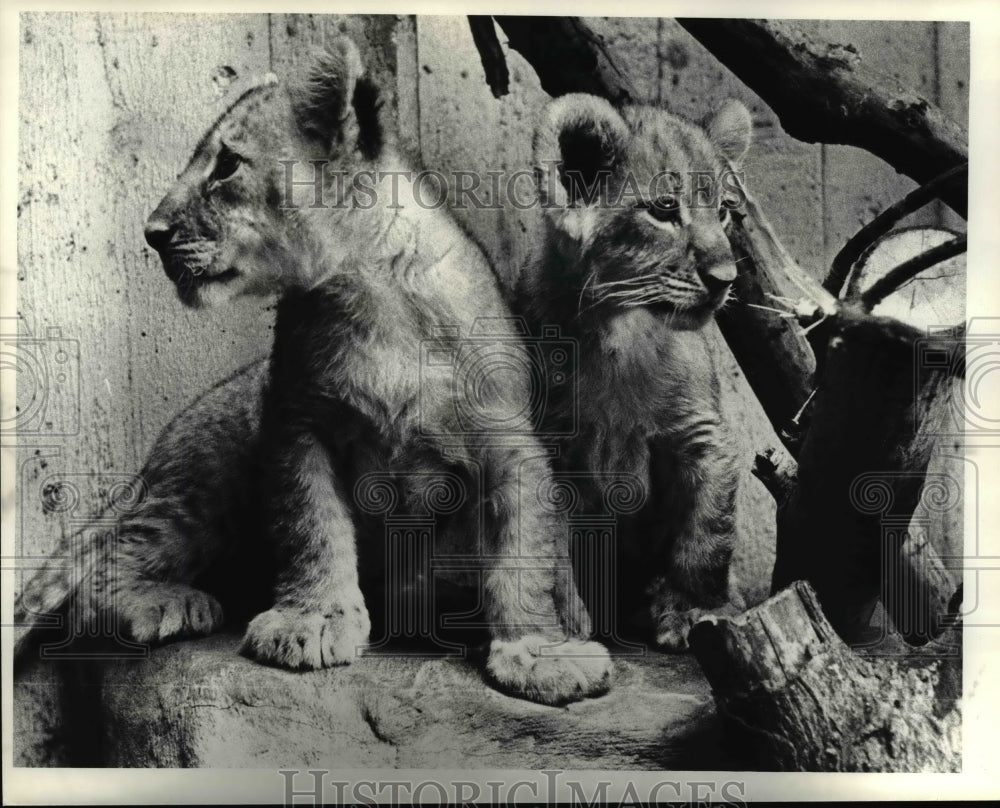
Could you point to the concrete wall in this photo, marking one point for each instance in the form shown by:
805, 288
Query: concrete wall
111, 105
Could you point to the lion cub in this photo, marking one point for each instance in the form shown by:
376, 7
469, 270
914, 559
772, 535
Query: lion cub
296, 191
635, 261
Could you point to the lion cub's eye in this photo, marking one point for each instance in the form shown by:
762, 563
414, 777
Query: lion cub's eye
226, 163
662, 209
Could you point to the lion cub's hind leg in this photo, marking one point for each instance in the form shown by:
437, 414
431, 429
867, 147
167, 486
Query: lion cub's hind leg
147, 586
154, 612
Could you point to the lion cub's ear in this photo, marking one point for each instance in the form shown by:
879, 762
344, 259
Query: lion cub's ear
580, 140
322, 95
730, 128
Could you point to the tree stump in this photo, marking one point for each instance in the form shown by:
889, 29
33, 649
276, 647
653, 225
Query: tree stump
799, 699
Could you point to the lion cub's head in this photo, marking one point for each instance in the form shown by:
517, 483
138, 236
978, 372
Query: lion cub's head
237, 221
638, 202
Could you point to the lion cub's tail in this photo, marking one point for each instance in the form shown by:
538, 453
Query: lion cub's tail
64, 578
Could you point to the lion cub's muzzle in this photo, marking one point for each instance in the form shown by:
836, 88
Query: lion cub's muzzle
187, 262
159, 233
718, 277
160, 236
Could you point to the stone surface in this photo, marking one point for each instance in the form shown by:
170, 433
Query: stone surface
201, 704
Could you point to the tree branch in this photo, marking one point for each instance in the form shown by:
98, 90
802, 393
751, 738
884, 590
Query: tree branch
861, 473
826, 94
568, 57
491, 54
844, 261
899, 275
778, 360
778, 471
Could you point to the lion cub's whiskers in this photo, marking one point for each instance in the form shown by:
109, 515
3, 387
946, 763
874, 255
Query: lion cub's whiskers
780, 312
583, 291
638, 280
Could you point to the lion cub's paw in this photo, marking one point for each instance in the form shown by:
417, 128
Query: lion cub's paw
158, 613
676, 616
290, 638
549, 671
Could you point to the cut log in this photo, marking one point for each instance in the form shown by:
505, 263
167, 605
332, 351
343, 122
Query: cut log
788, 688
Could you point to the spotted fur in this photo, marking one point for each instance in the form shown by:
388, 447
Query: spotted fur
633, 264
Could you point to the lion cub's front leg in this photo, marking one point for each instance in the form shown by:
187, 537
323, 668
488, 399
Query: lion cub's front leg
538, 624
319, 617
698, 472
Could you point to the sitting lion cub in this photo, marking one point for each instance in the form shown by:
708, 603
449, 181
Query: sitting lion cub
635, 261
289, 193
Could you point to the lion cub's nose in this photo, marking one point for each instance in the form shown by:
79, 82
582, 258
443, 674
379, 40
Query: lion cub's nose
718, 276
158, 233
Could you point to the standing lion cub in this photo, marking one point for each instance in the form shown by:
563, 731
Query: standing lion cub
352, 417
635, 261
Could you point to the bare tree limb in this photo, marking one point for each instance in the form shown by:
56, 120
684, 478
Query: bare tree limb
844, 261
899, 275
778, 360
825, 93
861, 475
568, 57
778, 471
484, 35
